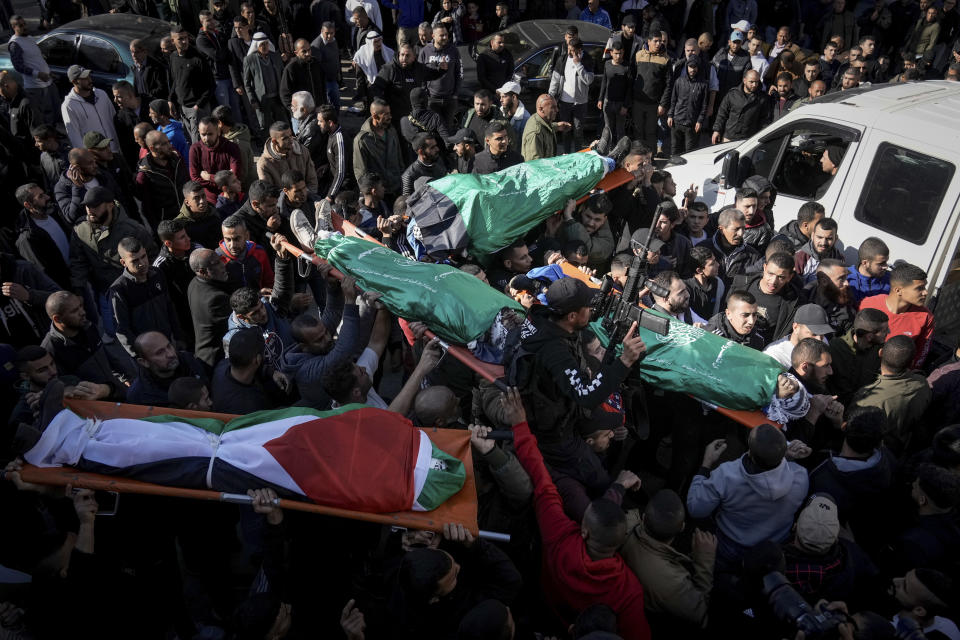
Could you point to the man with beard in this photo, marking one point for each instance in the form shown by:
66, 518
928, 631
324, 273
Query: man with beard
161, 175
511, 107
738, 322
159, 365
484, 113
677, 304
831, 290
43, 235
307, 131
213, 153
131, 111
856, 354
810, 321
821, 246
776, 299
592, 229
209, 299
495, 65
83, 174
400, 76
870, 276
427, 164
316, 351
811, 364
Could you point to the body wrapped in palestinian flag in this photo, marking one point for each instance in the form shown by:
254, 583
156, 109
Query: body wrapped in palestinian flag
354, 457
486, 213
456, 305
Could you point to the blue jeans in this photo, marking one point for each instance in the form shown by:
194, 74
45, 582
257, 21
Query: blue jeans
333, 93
226, 96
106, 314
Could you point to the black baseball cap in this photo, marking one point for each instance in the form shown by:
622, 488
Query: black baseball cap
96, 196
568, 294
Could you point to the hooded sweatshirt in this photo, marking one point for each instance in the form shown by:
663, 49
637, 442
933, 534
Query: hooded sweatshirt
240, 135
81, 115
749, 507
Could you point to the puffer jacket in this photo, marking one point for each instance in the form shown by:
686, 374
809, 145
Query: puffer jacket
742, 114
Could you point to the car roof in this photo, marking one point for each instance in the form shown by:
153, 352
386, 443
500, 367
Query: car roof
934, 105
120, 27
541, 32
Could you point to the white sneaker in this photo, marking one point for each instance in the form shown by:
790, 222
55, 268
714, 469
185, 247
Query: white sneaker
303, 229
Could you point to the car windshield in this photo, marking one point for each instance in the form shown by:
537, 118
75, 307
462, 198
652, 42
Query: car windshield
516, 40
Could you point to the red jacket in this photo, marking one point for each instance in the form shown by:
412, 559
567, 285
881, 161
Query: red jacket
252, 269
572, 581
226, 155
916, 322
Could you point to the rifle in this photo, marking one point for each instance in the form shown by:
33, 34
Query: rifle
617, 312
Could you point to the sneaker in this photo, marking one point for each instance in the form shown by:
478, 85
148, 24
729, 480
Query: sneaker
602, 146
324, 214
305, 233
619, 152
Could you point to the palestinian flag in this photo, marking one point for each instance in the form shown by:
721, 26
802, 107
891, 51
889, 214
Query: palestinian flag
487, 213
454, 304
355, 457
710, 368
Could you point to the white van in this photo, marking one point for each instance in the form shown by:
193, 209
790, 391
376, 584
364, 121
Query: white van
898, 179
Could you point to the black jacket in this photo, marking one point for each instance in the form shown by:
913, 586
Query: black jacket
720, 326
742, 114
394, 83
418, 170
160, 189
339, 162
485, 162
87, 357
860, 493
23, 323
21, 116
124, 122
38, 248
328, 55
231, 396
775, 328
151, 80
152, 391
303, 76
139, 307
191, 80
69, 196
736, 262
210, 307
314, 141
176, 271
494, 69
688, 104
213, 46
424, 120
238, 51
792, 231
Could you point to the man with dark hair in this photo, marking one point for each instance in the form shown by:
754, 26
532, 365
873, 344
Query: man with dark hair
161, 175
247, 262
800, 230
933, 538
677, 303
398, 77
161, 116
652, 88
676, 247
821, 246
498, 153
464, 145
131, 111
570, 83
904, 306
212, 153
706, 289
485, 111
209, 302
174, 263
902, 394
581, 565
302, 73
831, 290
239, 134
198, 216
339, 164
139, 297
926, 596
243, 383
160, 363
870, 276
752, 499
371, 205
776, 299
592, 229
674, 583
734, 255
79, 178
859, 475
743, 111
810, 321
510, 261
442, 54
192, 81
377, 148
326, 50
43, 235
856, 354
316, 350
495, 65
738, 322
260, 213
756, 232
428, 163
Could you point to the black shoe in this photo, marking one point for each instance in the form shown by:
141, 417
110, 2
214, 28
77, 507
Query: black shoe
51, 403
602, 146
619, 152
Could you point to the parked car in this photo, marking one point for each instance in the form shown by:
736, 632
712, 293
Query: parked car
100, 43
534, 43
897, 180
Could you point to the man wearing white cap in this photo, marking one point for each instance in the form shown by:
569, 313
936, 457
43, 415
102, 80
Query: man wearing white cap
86, 108
262, 73
512, 108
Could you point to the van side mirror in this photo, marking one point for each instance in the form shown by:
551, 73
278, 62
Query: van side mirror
731, 167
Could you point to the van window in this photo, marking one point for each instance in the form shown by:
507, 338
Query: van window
903, 192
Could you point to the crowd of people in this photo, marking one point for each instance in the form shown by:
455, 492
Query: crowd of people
148, 265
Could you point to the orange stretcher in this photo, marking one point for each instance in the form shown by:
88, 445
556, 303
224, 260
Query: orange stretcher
460, 508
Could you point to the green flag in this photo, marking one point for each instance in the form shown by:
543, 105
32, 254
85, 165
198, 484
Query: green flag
708, 367
454, 304
488, 212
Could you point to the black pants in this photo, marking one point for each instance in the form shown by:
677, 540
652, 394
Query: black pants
683, 138
645, 123
447, 108
570, 141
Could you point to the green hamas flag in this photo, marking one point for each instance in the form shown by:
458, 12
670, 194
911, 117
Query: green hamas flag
488, 212
456, 305
708, 367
